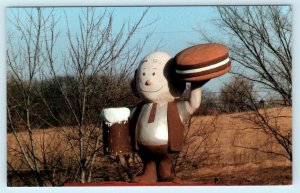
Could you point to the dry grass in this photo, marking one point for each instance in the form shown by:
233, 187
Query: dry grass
230, 164
225, 163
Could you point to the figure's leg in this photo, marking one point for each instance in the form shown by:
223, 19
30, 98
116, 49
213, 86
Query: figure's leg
164, 169
149, 172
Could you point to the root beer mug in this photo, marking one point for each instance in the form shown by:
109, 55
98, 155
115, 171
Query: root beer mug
116, 133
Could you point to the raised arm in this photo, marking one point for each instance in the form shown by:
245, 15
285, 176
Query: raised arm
195, 97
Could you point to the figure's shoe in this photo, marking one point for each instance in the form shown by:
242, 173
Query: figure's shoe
170, 178
145, 179
149, 174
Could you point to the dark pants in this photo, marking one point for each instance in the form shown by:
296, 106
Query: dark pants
157, 163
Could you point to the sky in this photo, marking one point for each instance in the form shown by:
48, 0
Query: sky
172, 27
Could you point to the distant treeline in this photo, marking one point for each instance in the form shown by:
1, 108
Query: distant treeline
51, 99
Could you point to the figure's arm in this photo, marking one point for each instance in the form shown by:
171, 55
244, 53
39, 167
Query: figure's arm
194, 101
195, 97
132, 111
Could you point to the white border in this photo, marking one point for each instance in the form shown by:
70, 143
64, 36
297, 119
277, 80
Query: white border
295, 188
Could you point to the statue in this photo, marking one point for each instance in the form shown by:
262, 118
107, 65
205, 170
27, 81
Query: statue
156, 128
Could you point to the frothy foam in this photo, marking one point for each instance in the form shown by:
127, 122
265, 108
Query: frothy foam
115, 115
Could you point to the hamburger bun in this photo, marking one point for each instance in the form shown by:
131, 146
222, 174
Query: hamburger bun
202, 62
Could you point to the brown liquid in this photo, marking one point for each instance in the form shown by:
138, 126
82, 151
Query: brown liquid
116, 139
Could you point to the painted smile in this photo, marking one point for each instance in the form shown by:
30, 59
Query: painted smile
152, 90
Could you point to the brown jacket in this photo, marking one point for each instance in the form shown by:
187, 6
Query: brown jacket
175, 127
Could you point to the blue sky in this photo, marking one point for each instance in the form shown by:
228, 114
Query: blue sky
173, 28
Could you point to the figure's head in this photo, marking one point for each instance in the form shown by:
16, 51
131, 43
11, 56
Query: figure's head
155, 78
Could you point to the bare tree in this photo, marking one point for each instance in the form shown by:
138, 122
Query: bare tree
266, 121
260, 41
199, 142
94, 72
237, 95
259, 38
96, 53
26, 54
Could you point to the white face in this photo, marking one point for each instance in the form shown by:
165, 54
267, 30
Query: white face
151, 81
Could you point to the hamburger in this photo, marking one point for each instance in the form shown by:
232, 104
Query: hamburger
202, 62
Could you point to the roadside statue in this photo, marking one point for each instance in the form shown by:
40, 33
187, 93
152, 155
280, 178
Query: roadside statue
154, 128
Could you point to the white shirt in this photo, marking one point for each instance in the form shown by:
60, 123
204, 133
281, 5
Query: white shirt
156, 133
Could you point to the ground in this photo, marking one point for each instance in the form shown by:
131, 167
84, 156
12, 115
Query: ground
213, 154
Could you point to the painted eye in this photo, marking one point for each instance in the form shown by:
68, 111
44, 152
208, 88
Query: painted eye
144, 73
153, 73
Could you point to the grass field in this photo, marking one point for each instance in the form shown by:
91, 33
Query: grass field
232, 155
219, 149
